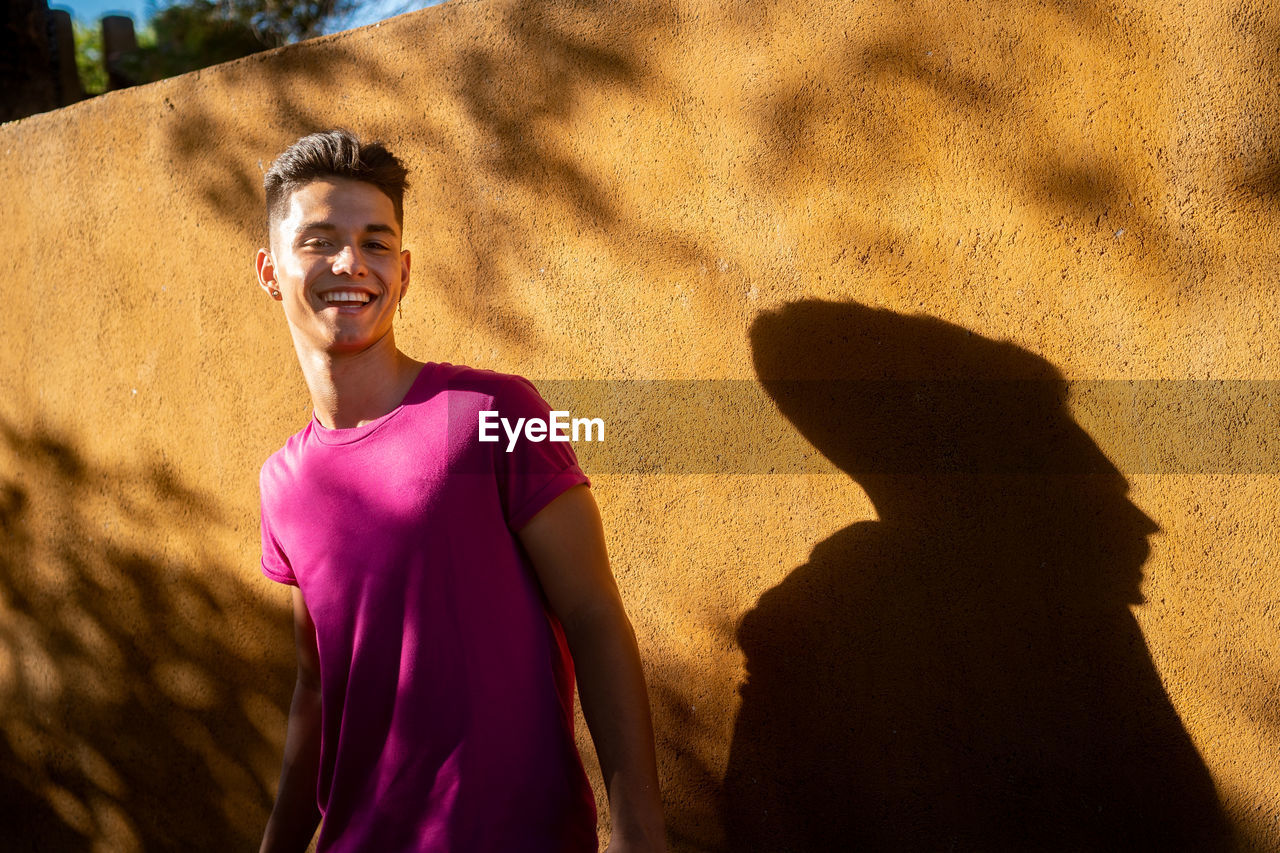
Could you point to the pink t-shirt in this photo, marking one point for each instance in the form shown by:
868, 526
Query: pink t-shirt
447, 686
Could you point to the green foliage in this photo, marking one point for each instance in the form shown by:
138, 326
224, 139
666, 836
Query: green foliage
190, 34
93, 74
187, 36
286, 21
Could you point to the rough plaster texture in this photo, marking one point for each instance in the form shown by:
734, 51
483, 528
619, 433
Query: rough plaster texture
678, 190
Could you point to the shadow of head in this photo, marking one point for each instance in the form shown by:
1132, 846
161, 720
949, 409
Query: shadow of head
953, 434
963, 673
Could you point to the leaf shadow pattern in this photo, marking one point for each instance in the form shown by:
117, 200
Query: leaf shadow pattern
965, 672
486, 105
137, 713
1258, 166
224, 152
687, 751
939, 100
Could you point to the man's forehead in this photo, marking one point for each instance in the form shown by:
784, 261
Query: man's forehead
340, 203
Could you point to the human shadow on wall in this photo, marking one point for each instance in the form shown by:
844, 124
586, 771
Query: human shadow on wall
136, 710
965, 672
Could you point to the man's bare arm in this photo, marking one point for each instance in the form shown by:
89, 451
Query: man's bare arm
566, 543
295, 816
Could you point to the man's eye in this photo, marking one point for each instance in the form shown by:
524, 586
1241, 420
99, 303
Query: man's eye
316, 243
381, 246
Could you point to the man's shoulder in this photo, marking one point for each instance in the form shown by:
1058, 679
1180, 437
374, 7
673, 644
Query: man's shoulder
284, 460
477, 396
482, 385
464, 377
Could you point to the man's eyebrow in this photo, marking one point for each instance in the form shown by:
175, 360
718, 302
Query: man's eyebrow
320, 225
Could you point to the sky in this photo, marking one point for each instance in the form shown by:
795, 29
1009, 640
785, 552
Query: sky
90, 11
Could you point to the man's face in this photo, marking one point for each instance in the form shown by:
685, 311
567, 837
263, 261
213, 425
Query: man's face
336, 265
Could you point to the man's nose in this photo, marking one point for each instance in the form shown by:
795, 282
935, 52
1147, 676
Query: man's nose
349, 261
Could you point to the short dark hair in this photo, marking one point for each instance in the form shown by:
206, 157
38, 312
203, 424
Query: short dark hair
333, 154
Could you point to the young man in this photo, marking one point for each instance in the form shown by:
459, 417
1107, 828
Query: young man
445, 589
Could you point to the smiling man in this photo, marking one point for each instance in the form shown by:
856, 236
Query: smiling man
445, 591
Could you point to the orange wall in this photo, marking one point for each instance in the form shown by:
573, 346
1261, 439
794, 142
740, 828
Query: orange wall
1060, 193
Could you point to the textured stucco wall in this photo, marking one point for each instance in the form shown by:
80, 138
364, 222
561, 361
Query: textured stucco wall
1055, 192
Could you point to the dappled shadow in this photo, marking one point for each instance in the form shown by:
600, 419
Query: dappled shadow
481, 105
136, 713
227, 156
963, 673
687, 751
1258, 166
1031, 117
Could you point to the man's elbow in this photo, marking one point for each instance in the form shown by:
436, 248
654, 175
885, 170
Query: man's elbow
597, 621
309, 681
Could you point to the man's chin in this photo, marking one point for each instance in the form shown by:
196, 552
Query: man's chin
352, 344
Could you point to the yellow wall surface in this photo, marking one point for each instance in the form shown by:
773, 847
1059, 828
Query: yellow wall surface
977, 297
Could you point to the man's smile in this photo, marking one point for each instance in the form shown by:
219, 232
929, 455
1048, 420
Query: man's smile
347, 301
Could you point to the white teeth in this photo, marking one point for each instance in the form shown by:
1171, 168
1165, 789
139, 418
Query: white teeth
346, 296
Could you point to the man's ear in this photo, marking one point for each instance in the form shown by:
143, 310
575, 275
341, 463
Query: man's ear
267, 273
404, 272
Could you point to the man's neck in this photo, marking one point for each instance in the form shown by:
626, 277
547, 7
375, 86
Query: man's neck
352, 390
